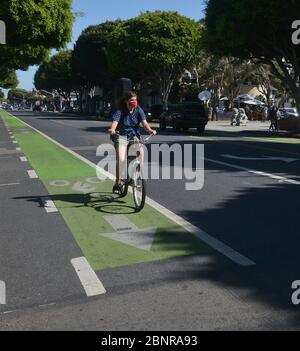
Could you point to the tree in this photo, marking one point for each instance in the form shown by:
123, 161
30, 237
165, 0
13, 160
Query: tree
1, 96
56, 74
10, 81
89, 58
156, 46
17, 94
257, 30
223, 76
33, 28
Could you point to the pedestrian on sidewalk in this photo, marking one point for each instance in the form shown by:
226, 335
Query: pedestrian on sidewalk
265, 114
273, 115
215, 114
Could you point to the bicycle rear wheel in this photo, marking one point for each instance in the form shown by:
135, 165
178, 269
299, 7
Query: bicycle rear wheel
139, 189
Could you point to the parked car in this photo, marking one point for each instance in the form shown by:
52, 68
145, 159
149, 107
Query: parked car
184, 116
7, 107
288, 112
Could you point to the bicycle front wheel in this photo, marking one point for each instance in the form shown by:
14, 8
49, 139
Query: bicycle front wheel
139, 190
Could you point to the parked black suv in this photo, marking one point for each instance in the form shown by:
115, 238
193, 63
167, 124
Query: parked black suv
184, 116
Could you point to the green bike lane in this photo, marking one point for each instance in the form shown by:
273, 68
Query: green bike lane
107, 229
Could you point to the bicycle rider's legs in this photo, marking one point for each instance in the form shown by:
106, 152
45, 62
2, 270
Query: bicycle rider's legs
120, 163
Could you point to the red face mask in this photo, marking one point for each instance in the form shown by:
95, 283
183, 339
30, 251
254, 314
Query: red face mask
132, 104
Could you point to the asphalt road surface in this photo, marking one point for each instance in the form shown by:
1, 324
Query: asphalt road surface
220, 258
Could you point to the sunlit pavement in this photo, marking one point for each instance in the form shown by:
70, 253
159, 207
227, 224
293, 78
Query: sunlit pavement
247, 204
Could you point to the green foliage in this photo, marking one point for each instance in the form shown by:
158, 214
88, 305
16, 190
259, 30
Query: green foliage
33, 27
17, 94
89, 59
155, 47
10, 80
56, 74
256, 29
153, 40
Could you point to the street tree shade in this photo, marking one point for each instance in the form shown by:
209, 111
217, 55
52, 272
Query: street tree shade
156, 46
259, 30
56, 74
32, 29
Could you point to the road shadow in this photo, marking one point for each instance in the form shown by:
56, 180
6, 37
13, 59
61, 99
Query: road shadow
99, 201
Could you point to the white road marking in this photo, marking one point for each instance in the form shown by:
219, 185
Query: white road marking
2, 293
84, 148
10, 184
60, 183
89, 280
83, 187
32, 174
18, 148
48, 204
128, 233
263, 174
199, 233
15, 142
23, 159
262, 158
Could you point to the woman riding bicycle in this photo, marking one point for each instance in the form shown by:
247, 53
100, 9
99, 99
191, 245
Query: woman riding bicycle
125, 127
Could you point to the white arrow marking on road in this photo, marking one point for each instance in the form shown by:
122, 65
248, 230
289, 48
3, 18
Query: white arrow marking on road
83, 187
129, 234
263, 158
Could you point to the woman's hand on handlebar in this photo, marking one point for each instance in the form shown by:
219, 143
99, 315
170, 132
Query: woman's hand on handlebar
112, 131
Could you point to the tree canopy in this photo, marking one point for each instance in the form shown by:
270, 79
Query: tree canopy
158, 45
10, 80
56, 74
33, 28
256, 29
89, 59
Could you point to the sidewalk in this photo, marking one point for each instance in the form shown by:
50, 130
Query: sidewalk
254, 128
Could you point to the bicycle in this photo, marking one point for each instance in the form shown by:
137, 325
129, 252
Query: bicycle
134, 176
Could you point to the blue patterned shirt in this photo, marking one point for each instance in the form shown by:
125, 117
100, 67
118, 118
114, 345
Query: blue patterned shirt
129, 124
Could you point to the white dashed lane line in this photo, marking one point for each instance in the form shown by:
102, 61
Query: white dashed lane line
48, 204
32, 174
88, 278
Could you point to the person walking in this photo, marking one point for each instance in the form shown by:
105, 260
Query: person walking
274, 118
265, 114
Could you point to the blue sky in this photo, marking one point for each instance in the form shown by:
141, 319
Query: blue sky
98, 11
